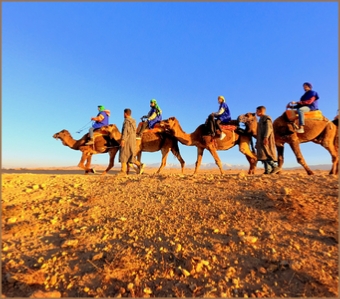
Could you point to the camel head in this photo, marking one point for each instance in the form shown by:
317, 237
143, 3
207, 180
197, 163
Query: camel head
169, 124
249, 119
62, 134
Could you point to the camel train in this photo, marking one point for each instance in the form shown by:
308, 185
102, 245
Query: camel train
167, 133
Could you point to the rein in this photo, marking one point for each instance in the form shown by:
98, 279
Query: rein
84, 127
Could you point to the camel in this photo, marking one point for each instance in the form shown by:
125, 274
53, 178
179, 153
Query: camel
319, 130
202, 141
153, 140
103, 143
107, 140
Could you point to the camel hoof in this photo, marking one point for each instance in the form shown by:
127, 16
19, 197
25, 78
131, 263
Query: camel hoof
141, 170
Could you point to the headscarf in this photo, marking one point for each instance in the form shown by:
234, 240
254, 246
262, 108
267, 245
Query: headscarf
222, 97
101, 108
159, 111
308, 84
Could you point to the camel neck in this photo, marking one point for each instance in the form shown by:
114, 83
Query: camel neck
184, 138
71, 143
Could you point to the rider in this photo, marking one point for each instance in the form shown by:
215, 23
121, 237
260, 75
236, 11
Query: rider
308, 102
154, 116
102, 119
222, 116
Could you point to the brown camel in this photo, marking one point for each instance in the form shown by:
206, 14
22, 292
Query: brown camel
107, 140
154, 140
102, 144
319, 130
202, 141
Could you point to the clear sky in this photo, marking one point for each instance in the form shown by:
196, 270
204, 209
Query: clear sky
60, 60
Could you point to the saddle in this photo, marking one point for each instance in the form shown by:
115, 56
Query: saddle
156, 129
228, 127
292, 115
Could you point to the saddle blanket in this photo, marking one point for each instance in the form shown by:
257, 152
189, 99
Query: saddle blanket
228, 127
316, 114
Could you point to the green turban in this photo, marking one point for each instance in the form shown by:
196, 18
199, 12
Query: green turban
101, 107
159, 111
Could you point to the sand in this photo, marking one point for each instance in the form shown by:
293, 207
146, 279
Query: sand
65, 234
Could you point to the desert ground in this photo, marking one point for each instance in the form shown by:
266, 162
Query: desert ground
65, 234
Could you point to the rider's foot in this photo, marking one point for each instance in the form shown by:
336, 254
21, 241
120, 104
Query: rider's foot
90, 142
222, 136
301, 130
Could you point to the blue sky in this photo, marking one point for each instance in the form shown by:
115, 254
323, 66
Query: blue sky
60, 60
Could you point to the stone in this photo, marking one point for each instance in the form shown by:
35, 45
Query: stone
41, 294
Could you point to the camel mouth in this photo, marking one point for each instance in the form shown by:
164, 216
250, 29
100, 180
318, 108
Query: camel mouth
55, 136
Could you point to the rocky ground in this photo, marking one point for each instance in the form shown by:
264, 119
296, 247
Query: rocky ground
170, 235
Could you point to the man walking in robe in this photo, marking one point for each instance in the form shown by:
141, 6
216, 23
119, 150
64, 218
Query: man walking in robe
128, 143
265, 142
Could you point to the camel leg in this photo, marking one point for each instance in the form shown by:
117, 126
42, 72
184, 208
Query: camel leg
139, 159
112, 155
213, 152
165, 152
88, 165
177, 154
82, 160
200, 151
295, 146
335, 158
280, 158
251, 157
87, 158
328, 144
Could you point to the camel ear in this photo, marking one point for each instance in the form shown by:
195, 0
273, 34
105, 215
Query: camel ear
253, 114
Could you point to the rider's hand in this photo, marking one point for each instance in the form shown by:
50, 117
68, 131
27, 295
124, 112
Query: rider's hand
122, 143
265, 140
93, 118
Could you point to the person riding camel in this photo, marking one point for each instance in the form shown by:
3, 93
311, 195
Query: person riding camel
154, 116
222, 116
308, 102
102, 119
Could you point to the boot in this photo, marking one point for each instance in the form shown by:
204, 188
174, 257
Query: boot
267, 168
90, 142
300, 130
143, 127
123, 170
275, 169
222, 135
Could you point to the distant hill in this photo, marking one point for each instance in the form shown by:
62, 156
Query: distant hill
225, 166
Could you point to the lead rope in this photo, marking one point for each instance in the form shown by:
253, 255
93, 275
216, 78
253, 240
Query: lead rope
84, 127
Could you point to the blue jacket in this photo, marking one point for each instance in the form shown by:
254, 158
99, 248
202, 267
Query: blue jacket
225, 116
104, 122
307, 95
